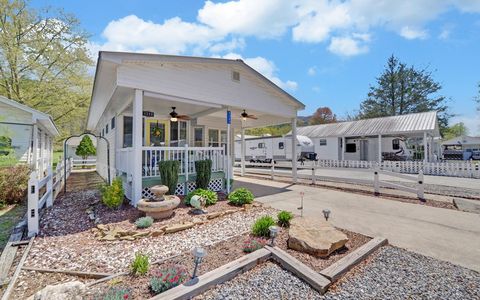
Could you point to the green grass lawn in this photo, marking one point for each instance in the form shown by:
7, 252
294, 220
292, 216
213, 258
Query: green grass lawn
9, 217
56, 158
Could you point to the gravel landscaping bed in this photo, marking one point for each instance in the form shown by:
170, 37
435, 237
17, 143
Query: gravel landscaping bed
394, 273
66, 241
266, 281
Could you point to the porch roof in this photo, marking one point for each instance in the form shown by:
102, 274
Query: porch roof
195, 80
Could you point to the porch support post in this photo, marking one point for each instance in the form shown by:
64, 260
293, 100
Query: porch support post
425, 147
243, 151
137, 147
344, 146
229, 162
379, 148
35, 146
294, 150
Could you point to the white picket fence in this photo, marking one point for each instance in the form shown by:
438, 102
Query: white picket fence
80, 163
52, 184
375, 181
464, 169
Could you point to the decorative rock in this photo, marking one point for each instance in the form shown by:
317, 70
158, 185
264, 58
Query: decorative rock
214, 215
156, 233
315, 236
178, 227
64, 291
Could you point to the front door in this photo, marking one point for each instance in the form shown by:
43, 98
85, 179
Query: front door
157, 132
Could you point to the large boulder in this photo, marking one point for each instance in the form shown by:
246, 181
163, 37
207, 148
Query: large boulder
65, 291
315, 236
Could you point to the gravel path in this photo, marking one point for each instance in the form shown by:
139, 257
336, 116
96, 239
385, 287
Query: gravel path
268, 281
392, 273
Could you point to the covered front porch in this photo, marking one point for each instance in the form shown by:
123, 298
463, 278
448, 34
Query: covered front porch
177, 108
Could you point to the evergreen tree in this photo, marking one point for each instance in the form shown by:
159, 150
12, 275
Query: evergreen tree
86, 148
402, 89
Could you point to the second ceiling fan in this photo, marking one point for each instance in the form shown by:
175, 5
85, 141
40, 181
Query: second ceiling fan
174, 116
246, 116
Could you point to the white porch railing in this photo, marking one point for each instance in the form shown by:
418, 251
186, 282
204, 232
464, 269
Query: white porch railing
185, 155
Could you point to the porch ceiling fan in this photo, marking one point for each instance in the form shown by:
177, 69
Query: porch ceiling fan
174, 116
246, 116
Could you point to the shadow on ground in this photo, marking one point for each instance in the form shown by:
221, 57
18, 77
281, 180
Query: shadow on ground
260, 190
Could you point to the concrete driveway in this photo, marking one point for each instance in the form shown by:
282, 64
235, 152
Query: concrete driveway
444, 234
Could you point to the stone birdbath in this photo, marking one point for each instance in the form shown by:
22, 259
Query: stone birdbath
161, 206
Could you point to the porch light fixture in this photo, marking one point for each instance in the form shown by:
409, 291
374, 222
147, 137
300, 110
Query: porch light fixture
326, 214
173, 115
198, 255
273, 234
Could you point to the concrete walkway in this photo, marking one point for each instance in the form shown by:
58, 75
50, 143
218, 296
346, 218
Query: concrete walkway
444, 234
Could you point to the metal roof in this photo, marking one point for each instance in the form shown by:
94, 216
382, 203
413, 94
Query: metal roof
463, 140
405, 124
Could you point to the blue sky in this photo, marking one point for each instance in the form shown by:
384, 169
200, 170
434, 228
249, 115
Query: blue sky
325, 53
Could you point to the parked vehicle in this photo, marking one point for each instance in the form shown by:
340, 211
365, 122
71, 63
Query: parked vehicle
278, 148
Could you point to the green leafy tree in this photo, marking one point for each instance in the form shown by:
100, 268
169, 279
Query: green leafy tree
44, 62
86, 148
455, 130
402, 89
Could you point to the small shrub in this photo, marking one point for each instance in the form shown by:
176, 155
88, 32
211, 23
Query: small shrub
203, 169
169, 170
253, 244
116, 293
284, 218
144, 222
112, 195
13, 184
210, 197
140, 264
167, 278
240, 197
261, 225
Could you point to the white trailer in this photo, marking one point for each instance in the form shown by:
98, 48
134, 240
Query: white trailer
278, 148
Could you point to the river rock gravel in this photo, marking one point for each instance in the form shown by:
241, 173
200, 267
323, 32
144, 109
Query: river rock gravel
395, 273
267, 281
391, 273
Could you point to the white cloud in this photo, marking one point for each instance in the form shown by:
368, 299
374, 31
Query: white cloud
312, 71
411, 33
265, 18
222, 27
267, 68
349, 46
316, 89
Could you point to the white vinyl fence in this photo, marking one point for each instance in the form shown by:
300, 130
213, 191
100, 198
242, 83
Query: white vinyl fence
50, 185
464, 169
81, 163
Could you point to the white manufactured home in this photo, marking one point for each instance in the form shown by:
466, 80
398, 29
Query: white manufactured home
158, 107
26, 135
277, 148
405, 137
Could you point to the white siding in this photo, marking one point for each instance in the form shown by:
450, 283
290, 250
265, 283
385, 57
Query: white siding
210, 84
328, 151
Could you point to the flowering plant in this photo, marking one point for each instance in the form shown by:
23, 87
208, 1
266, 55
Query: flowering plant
167, 278
116, 294
253, 244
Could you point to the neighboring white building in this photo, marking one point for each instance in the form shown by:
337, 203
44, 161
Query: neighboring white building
388, 138
132, 106
463, 147
30, 134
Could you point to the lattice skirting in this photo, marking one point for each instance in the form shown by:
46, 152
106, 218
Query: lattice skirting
214, 185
